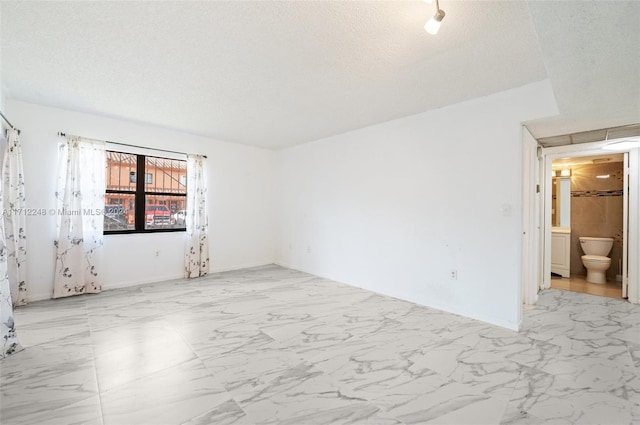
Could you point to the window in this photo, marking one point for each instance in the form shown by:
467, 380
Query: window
156, 204
148, 177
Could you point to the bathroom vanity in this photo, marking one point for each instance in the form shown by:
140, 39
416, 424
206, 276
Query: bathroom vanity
561, 251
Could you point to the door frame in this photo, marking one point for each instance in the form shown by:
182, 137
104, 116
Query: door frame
625, 227
630, 278
530, 220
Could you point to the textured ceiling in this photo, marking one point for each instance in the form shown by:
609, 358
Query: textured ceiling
275, 74
592, 55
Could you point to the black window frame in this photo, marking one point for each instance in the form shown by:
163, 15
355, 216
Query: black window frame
140, 198
148, 177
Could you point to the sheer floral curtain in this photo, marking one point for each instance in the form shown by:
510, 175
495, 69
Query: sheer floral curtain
9, 343
14, 205
80, 195
197, 250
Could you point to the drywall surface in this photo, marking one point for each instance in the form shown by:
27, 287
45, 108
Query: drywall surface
241, 188
426, 208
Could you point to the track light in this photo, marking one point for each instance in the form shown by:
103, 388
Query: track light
623, 144
433, 25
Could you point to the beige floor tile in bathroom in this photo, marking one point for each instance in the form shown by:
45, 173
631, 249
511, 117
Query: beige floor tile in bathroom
579, 284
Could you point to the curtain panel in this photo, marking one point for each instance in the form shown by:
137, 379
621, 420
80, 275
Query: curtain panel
14, 205
197, 249
80, 202
9, 343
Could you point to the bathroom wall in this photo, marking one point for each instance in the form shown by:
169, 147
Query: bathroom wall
596, 210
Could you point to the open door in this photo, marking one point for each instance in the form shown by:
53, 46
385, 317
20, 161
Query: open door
530, 199
625, 228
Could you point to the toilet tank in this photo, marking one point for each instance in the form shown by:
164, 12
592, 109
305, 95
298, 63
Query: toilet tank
596, 246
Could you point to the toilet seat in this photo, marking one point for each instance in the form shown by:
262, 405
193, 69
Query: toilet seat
596, 258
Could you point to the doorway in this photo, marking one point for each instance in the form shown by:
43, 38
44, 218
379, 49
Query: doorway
631, 219
588, 201
537, 223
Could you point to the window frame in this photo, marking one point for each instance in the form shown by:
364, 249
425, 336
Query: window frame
140, 198
148, 177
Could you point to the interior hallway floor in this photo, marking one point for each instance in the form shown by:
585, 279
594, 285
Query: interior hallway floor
270, 345
578, 283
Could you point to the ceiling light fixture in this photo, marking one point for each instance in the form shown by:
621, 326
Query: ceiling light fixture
623, 145
433, 25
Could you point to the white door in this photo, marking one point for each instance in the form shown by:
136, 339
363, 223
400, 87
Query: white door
625, 228
529, 220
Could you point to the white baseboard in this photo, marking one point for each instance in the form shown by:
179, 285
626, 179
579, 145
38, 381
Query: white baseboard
288, 266
108, 286
239, 267
449, 309
38, 296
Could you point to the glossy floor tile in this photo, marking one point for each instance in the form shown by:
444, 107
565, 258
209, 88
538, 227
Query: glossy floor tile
579, 284
269, 345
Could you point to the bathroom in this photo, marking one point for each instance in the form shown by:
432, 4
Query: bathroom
587, 201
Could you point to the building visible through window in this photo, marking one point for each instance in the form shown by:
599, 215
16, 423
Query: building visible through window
148, 177
156, 203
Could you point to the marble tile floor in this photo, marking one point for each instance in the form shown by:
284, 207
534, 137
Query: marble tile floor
270, 345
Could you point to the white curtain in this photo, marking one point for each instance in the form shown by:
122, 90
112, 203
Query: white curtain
9, 340
80, 195
197, 250
14, 205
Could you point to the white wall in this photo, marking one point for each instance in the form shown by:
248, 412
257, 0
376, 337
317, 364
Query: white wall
393, 208
241, 182
396, 207
2, 92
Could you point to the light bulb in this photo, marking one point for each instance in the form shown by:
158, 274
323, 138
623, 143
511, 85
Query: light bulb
433, 25
622, 145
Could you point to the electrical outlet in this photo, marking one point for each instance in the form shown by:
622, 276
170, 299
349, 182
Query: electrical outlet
453, 274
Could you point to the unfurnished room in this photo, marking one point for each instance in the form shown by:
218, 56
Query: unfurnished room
320, 212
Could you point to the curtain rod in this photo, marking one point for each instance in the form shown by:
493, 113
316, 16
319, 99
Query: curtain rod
127, 144
7, 121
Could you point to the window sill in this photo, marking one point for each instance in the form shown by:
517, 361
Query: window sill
145, 231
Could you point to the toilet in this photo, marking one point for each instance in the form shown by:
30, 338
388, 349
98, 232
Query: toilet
595, 258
